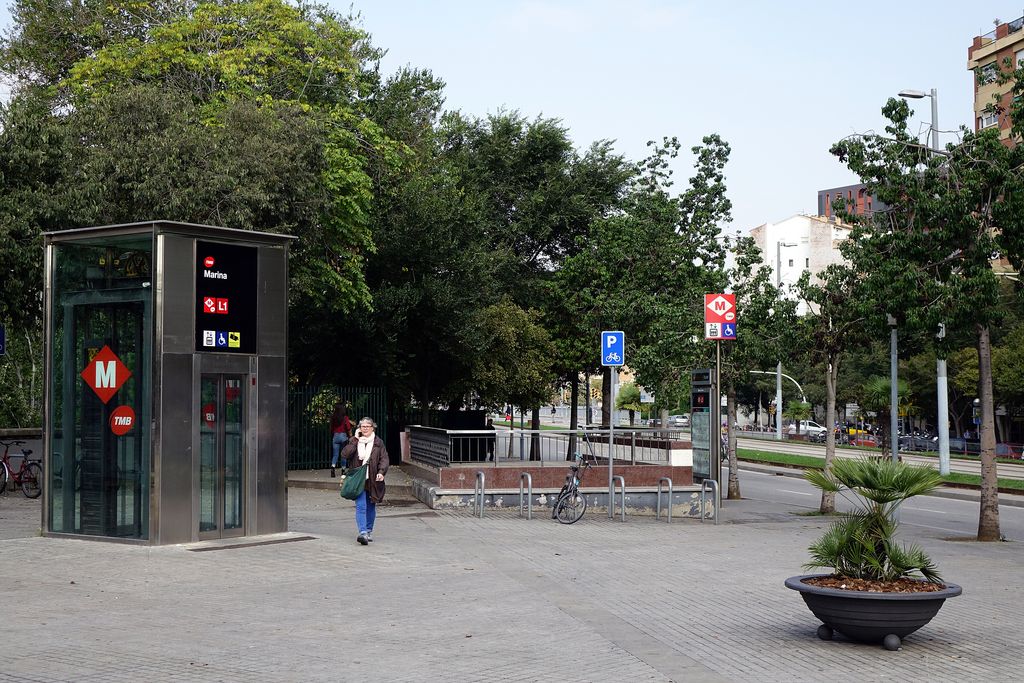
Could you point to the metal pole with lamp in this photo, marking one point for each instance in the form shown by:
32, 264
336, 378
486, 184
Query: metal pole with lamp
941, 383
779, 244
894, 437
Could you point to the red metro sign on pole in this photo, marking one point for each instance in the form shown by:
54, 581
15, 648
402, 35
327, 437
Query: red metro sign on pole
719, 316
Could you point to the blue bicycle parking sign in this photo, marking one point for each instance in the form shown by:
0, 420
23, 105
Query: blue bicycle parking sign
613, 348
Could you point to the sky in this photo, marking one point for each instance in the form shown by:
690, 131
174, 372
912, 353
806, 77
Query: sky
780, 82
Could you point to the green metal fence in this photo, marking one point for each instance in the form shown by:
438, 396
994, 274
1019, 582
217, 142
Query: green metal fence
309, 416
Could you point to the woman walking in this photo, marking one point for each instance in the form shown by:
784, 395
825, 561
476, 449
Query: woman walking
366, 447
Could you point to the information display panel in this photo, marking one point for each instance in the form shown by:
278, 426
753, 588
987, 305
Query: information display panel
226, 293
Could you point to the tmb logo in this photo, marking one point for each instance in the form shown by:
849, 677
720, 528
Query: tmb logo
208, 262
122, 420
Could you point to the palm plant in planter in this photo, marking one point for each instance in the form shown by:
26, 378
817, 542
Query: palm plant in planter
879, 590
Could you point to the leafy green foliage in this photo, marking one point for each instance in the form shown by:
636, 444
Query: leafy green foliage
861, 545
929, 256
513, 361
628, 398
264, 51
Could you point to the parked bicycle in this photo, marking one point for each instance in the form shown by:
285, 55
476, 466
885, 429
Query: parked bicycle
571, 504
29, 476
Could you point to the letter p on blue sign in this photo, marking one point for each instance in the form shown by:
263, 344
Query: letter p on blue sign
613, 348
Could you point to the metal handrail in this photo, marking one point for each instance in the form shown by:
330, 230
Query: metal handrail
657, 515
525, 476
478, 493
704, 486
611, 503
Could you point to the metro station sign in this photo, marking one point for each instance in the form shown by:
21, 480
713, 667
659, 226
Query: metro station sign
719, 308
226, 297
105, 374
719, 316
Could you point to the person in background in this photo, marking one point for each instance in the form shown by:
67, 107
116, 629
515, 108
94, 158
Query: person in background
341, 429
366, 447
490, 439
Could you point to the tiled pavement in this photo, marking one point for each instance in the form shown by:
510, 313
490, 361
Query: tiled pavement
447, 596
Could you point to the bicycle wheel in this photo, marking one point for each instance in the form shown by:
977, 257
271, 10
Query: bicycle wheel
3, 477
32, 480
570, 507
554, 508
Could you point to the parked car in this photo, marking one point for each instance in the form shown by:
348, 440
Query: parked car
919, 443
963, 446
1010, 450
679, 420
808, 427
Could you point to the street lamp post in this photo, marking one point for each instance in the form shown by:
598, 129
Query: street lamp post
779, 244
941, 383
894, 437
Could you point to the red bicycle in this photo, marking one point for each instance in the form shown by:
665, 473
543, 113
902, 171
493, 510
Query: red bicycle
29, 476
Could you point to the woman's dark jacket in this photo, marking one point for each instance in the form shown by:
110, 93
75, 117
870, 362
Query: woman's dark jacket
379, 462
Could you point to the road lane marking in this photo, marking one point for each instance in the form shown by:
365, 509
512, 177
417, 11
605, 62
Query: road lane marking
799, 493
938, 512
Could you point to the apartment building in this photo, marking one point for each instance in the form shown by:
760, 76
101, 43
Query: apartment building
986, 57
800, 243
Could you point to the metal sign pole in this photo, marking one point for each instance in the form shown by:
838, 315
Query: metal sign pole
716, 450
613, 356
613, 371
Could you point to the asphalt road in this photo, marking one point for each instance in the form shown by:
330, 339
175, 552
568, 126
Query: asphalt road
955, 516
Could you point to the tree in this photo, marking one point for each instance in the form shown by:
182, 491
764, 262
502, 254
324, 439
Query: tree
834, 324
254, 114
928, 256
629, 399
646, 268
765, 319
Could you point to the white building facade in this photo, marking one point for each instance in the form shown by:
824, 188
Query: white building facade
797, 244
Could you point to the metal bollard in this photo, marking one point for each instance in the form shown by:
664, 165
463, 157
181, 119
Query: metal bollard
478, 493
622, 483
525, 476
704, 486
658, 513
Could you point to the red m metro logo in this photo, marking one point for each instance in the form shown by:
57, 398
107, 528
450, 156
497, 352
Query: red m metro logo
105, 374
719, 308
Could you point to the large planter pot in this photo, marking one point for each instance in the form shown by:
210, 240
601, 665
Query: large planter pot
870, 617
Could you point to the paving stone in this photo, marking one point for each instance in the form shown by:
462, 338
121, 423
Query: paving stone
446, 595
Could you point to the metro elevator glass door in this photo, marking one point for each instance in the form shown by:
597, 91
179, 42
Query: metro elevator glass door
222, 455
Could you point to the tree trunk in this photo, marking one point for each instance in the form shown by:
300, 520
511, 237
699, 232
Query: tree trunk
734, 475
535, 436
573, 417
511, 430
828, 499
606, 397
988, 520
590, 411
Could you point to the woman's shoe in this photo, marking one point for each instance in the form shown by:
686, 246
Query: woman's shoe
362, 539
332, 472
369, 536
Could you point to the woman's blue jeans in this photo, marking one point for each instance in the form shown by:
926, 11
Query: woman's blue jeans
336, 443
366, 512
